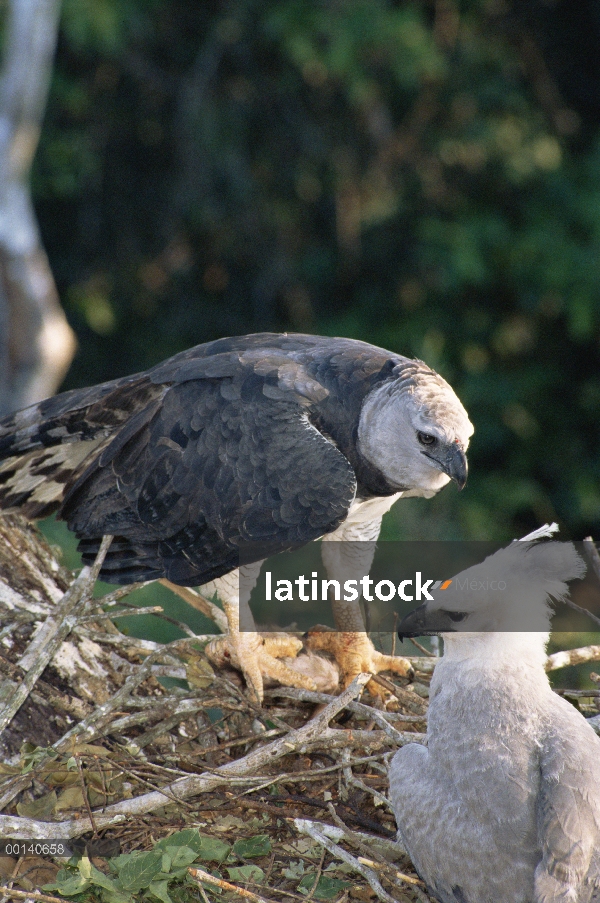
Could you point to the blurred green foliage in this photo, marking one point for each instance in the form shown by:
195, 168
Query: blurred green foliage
422, 175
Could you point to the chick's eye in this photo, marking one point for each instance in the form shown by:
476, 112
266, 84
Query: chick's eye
426, 439
456, 616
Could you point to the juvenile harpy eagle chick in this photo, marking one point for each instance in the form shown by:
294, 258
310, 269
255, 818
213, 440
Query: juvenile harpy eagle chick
504, 804
233, 450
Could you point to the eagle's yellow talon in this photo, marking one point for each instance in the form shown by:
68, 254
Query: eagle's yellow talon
260, 656
355, 653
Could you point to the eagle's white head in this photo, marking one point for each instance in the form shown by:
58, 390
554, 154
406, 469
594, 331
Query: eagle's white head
416, 432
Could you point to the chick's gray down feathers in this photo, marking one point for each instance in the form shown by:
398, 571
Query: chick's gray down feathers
504, 803
230, 451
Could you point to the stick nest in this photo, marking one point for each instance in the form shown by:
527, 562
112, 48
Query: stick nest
101, 751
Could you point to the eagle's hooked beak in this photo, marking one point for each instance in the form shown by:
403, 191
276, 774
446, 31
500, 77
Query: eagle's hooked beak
451, 460
455, 465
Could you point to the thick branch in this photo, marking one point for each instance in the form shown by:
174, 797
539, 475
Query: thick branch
193, 784
36, 343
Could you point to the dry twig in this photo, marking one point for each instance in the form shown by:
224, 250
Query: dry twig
297, 740
29, 895
50, 635
358, 841
422, 649
200, 603
315, 830
572, 657
381, 864
358, 708
200, 875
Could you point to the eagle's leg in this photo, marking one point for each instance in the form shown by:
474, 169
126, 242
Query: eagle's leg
257, 656
348, 554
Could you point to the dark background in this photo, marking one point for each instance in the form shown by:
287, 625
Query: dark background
422, 175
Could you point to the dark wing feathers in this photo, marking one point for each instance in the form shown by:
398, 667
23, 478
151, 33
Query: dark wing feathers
256, 479
76, 415
210, 459
45, 448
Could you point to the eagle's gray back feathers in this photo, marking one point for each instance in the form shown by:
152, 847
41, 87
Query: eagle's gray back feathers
228, 451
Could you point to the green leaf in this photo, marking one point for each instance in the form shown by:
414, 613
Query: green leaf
159, 889
188, 838
31, 755
252, 847
70, 798
68, 884
327, 888
180, 856
211, 849
41, 809
139, 870
85, 867
173, 875
208, 848
295, 869
246, 873
101, 880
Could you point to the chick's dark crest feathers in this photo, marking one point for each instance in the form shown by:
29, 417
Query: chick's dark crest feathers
226, 452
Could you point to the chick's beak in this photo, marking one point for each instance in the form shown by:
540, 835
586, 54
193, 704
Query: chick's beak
422, 622
414, 624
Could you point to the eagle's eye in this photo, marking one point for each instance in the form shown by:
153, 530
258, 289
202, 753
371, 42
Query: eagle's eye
426, 439
456, 616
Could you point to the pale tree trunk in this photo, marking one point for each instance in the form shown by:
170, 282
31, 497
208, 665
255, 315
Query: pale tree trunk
36, 342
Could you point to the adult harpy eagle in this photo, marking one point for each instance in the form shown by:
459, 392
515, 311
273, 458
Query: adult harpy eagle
263, 440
